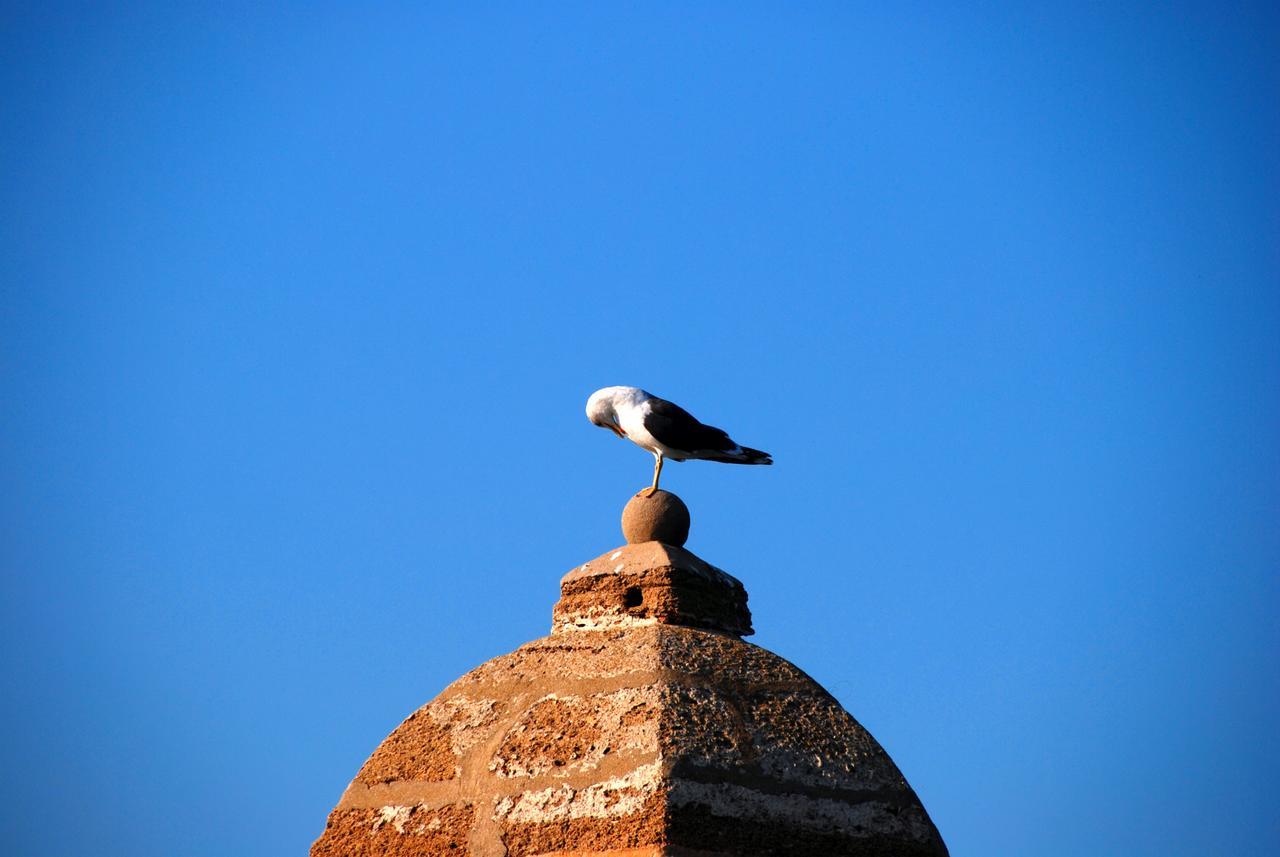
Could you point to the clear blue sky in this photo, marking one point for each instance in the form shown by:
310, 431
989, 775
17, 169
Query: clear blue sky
301, 305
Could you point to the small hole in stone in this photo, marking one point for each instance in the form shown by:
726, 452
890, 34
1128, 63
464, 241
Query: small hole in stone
633, 597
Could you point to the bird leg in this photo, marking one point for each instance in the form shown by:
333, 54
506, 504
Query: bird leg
657, 472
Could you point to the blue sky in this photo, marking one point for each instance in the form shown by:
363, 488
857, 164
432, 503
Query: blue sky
299, 307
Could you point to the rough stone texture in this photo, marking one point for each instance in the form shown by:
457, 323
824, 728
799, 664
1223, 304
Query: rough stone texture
662, 517
647, 584
428, 745
632, 739
402, 831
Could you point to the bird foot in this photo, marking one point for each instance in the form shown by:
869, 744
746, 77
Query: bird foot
648, 492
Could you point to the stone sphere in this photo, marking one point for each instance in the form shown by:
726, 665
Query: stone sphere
661, 518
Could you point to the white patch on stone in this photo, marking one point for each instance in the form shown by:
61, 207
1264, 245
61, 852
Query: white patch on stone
396, 816
619, 568
613, 798
614, 555
463, 716
601, 620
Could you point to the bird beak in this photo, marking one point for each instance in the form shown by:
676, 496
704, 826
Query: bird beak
619, 432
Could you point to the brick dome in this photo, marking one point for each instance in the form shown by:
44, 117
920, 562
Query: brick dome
642, 726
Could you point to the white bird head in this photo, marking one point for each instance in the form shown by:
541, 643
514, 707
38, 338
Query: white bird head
602, 407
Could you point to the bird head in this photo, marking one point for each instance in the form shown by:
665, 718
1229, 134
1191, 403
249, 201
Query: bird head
602, 412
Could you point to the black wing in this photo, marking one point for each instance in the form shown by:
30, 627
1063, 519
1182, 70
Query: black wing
676, 428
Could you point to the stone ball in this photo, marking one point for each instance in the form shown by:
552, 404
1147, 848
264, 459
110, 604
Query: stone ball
661, 518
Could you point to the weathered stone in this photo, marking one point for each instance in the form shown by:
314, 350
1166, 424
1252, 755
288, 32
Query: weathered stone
397, 831
430, 743
660, 517
651, 583
633, 730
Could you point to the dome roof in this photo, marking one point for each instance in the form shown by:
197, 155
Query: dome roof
643, 725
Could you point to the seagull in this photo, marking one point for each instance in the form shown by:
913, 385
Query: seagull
665, 429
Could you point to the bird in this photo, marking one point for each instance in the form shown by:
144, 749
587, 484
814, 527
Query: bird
665, 429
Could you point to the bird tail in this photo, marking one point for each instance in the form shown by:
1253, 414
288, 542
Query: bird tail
743, 455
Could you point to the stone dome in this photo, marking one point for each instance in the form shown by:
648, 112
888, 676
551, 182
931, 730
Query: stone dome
641, 726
